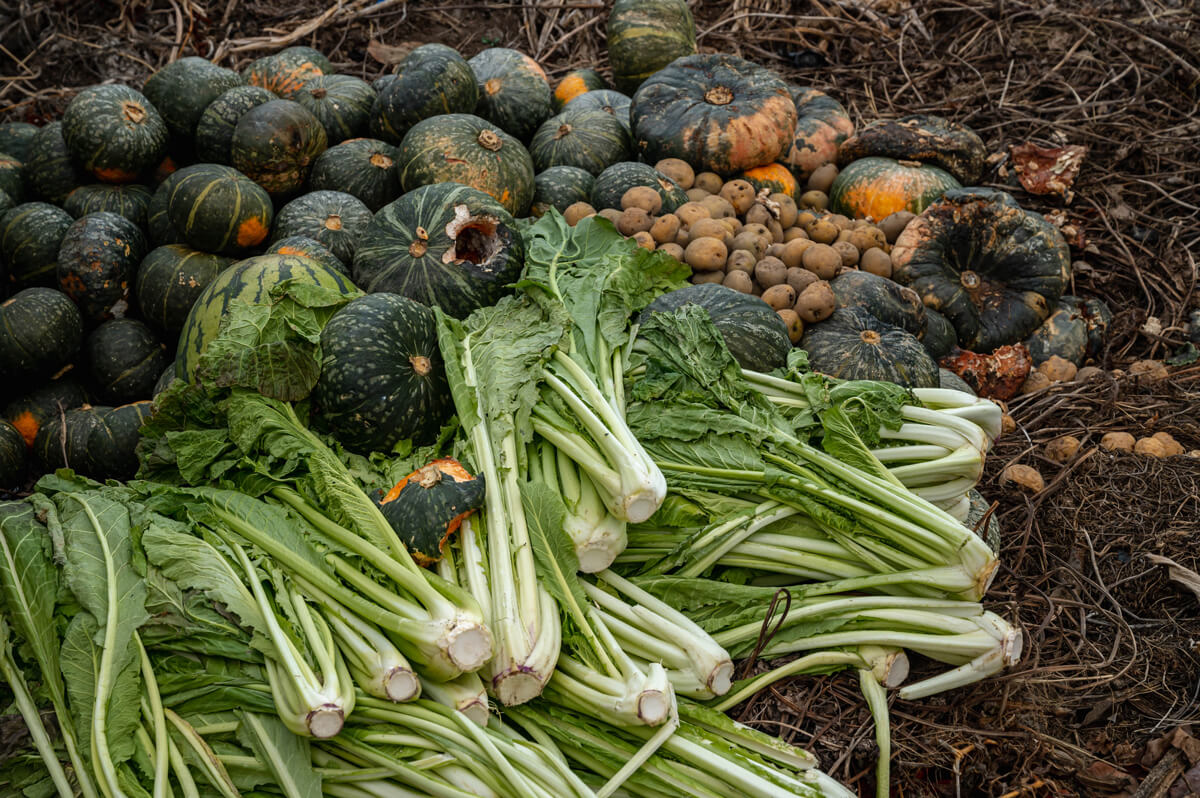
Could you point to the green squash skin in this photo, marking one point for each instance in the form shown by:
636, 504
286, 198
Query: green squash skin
431, 80
382, 377
513, 91
125, 359
461, 148
429, 507
613, 182
878, 187
754, 333
218, 209
130, 200
1074, 331
646, 35
560, 187
30, 235
929, 139
363, 168
112, 443
29, 412
890, 302
165, 379
275, 144
50, 171
62, 442
10, 177
305, 247
939, 339
16, 138
214, 129
12, 456
575, 83
97, 263
285, 73
341, 103
250, 280
854, 345
334, 219
159, 229
114, 132
6, 204
410, 248
607, 100
589, 139
169, 281
183, 89
948, 379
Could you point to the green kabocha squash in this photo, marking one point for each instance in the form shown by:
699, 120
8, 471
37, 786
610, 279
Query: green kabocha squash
940, 338
125, 359
169, 281
514, 94
428, 506
160, 231
183, 89
879, 187
251, 281
16, 138
112, 442
462, 148
646, 35
30, 235
214, 130
575, 83
218, 209
589, 139
444, 244
720, 113
854, 345
991, 268
822, 124
887, 301
754, 333
1074, 331
49, 401
275, 144
6, 204
305, 247
10, 177
613, 182
342, 104
114, 132
97, 263
50, 171
431, 80
40, 331
928, 139
560, 187
333, 218
285, 73
608, 101
130, 200
12, 456
363, 168
382, 377
62, 441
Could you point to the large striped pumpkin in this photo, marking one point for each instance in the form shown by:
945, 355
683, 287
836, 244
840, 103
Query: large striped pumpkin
342, 104
214, 131
275, 144
218, 209
114, 132
646, 35
431, 80
285, 72
183, 89
363, 168
334, 219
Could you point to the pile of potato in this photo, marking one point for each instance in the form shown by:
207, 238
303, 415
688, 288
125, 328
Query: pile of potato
753, 241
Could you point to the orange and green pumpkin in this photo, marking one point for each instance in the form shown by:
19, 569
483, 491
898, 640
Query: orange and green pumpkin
342, 104
16, 138
587, 138
27, 413
40, 331
363, 168
97, 263
431, 80
560, 187
50, 171
575, 83
130, 200
613, 182
645, 36
921, 137
285, 72
513, 91
720, 113
775, 177
854, 345
125, 359
305, 247
169, 280
462, 148
275, 144
114, 132
429, 505
214, 130
822, 124
879, 187
608, 101
183, 89
218, 209
30, 235
335, 219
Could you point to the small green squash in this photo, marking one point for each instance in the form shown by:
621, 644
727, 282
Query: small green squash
854, 345
462, 148
16, 138
130, 200
30, 235
114, 132
12, 456
275, 144
608, 101
646, 35
560, 187
305, 247
890, 302
218, 209
183, 89
613, 182
513, 91
285, 73
429, 505
1074, 331
49, 401
170, 280
50, 171
444, 244
10, 177
62, 442
112, 442
333, 218
879, 187
342, 104
125, 359
363, 168
214, 130
575, 83
587, 138
382, 377
822, 124
97, 263
431, 80
928, 139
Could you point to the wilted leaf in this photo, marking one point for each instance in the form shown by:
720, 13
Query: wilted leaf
1048, 170
390, 53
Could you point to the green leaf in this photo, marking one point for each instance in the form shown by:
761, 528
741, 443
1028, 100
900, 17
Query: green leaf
1185, 356
285, 755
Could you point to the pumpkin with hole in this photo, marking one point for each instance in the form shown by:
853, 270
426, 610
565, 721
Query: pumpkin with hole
560, 187
130, 200
822, 124
16, 138
169, 281
111, 448
644, 36
305, 247
431, 80
610, 102
49, 401
773, 177
588, 139
50, 171
513, 91
613, 182
285, 73
575, 83
362, 168
333, 218
443, 244
720, 113
275, 144
30, 236
125, 359
12, 456
854, 345
114, 132
218, 209
341, 103
928, 139
382, 378
214, 130
879, 187
183, 89
97, 263
462, 148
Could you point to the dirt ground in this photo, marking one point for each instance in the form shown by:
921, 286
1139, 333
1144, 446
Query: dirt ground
1112, 643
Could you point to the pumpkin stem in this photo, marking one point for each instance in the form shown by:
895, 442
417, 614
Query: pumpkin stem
563, 130
911, 164
333, 222
970, 280
420, 244
489, 140
718, 95
319, 94
429, 475
133, 112
870, 337
381, 160
422, 366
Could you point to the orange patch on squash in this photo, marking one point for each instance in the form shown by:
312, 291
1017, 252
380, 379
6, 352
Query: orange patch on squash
535, 67
26, 424
447, 466
114, 175
493, 85
775, 175
251, 232
571, 87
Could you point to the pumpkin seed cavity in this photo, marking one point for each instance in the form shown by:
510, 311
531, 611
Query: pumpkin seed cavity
475, 238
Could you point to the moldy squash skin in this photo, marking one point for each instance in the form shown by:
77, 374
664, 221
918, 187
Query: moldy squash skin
363, 168
40, 331
334, 219
720, 113
613, 182
170, 279
444, 244
560, 187
218, 209
934, 140
993, 269
514, 93
1075, 330
575, 83
97, 263
342, 104
12, 456
130, 200
466, 149
429, 505
275, 144
49, 170
305, 247
644, 36
285, 72
431, 80
854, 345
183, 89
114, 132
27, 413
587, 138
608, 101
890, 302
214, 130
125, 359
774, 177
382, 378
30, 235
878, 187
822, 124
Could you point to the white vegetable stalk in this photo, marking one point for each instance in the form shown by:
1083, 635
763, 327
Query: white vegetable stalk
598, 535
376, 665
466, 694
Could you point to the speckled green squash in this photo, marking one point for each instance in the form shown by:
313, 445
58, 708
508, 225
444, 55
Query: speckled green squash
431, 80
97, 263
214, 130
12, 456
879, 187
613, 182
822, 124
30, 235
333, 218
462, 148
575, 83
890, 302
363, 168
218, 209
382, 377
130, 200
114, 132
513, 91
929, 139
40, 331
16, 138
608, 101
62, 442
305, 247
444, 244
589, 139
112, 443
646, 35
169, 281
50, 171
275, 144
183, 89
125, 359
10, 177
285, 72
27, 413
560, 187
342, 104
250, 280
159, 229
854, 345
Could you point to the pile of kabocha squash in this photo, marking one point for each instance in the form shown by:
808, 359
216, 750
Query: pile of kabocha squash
127, 226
